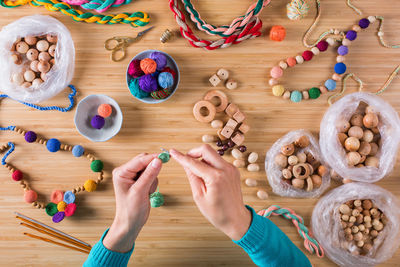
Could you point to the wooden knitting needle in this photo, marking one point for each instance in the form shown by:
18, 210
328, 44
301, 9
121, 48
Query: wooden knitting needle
51, 229
56, 243
56, 236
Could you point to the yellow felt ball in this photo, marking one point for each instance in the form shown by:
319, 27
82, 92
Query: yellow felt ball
90, 185
278, 90
61, 206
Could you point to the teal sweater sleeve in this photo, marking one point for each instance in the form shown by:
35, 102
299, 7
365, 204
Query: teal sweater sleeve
100, 256
268, 246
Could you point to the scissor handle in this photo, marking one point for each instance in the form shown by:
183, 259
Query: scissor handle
113, 43
118, 51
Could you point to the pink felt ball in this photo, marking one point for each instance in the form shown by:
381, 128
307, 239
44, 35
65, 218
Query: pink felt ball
104, 110
276, 72
30, 196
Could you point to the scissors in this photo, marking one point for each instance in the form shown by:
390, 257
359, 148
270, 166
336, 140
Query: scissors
119, 44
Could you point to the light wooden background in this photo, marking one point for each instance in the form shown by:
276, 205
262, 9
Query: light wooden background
177, 234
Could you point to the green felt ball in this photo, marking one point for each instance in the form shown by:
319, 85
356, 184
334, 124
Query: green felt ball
51, 209
156, 200
164, 156
314, 93
96, 165
296, 96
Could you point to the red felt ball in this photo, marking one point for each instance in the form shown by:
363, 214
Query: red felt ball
277, 33
70, 209
307, 55
17, 175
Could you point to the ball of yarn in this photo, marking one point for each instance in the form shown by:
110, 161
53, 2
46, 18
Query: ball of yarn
322, 45
104, 110
148, 83
78, 151
278, 90
134, 69
297, 9
330, 84
53, 145
69, 197
277, 33
51, 209
135, 90
343, 50
296, 96
17, 175
61, 206
160, 59
30, 137
276, 72
168, 69
155, 74
97, 122
156, 200
58, 217
314, 93
340, 68
165, 80
96, 165
148, 65
90, 185
30, 196
161, 94
351, 35
56, 196
70, 209
307, 55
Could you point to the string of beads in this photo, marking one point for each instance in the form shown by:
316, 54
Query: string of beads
136, 19
310, 243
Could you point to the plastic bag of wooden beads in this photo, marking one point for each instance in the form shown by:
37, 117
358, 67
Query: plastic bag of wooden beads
359, 137
37, 58
357, 224
295, 168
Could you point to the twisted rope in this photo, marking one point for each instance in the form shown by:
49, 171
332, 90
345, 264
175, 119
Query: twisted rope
97, 5
297, 9
136, 19
12, 148
310, 243
249, 31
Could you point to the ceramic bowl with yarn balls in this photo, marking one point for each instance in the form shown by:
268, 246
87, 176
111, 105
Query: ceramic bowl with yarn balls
87, 109
170, 64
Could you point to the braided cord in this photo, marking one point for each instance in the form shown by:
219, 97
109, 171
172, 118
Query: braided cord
357, 10
136, 19
237, 24
310, 243
11, 150
70, 97
9, 128
380, 34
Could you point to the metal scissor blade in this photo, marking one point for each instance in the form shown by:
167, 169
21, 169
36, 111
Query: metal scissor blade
143, 32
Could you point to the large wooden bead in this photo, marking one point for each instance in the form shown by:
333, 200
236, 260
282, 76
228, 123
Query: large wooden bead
352, 144
51, 38
44, 66
298, 183
372, 162
32, 54
370, 120
281, 160
353, 158
22, 47
356, 131
29, 76
365, 148
287, 150
42, 45
30, 40
52, 50
44, 56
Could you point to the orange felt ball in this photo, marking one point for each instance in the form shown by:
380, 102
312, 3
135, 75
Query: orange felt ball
30, 196
104, 110
277, 33
148, 65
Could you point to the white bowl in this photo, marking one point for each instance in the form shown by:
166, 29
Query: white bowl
170, 63
87, 108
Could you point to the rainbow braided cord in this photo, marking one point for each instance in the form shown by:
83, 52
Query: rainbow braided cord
136, 19
310, 243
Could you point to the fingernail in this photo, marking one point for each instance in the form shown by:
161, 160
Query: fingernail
156, 163
173, 152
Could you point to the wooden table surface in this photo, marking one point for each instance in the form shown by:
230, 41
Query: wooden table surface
177, 234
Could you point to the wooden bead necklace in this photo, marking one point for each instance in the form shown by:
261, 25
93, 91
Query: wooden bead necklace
62, 204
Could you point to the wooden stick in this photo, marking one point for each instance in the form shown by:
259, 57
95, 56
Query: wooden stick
56, 243
51, 229
72, 242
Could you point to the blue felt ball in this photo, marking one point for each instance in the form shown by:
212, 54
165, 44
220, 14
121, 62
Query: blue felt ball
78, 151
330, 84
296, 96
53, 145
69, 197
98, 122
165, 80
340, 68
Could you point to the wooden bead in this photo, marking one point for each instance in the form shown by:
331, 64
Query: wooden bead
352, 144
52, 50
356, 131
287, 174
374, 149
251, 182
239, 163
217, 124
344, 209
51, 38
221, 96
214, 80
286, 95
301, 171
370, 120
238, 138
207, 138
253, 167
272, 82
365, 148
367, 136
340, 59
223, 74
293, 160
346, 42
42, 45
287, 150
310, 185
336, 77
281, 160
231, 109
372, 162
203, 104
32, 54
231, 84
323, 89
236, 153
322, 171
244, 128
298, 183
370, 109
227, 132
302, 142
357, 120
29, 76
261, 194
44, 56
283, 65
16, 58
356, 28
253, 157
342, 138
301, 156
22, 47
299, 59
34, 66
330, 41
44, 66
30, 40
353, 158
315, 50
239, 116
17, 78
305, 95
37, 82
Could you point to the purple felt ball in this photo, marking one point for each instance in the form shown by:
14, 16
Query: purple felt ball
351, 35
363, 23
58, 217
148, 83
343, 50
30, 137
160, 59
97, 122
134, 69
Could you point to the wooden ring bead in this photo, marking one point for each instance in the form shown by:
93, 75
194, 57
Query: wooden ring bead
221, 96
301, 171
204, 104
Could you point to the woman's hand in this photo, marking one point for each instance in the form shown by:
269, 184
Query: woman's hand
216, 190
133, 183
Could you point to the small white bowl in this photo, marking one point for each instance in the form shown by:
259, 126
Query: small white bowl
170, 63
87, 108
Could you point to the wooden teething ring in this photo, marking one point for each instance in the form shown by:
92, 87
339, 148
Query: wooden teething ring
221, 96
301, 171
204, 104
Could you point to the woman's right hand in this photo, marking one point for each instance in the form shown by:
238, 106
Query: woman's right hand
216, 189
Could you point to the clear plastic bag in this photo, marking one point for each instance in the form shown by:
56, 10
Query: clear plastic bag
274, 172
60, 74
328, 230
334, 153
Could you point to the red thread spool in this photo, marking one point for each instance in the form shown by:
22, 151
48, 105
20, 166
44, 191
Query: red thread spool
277, 33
